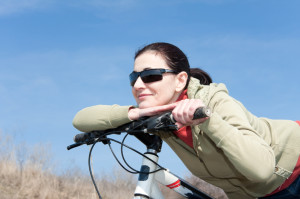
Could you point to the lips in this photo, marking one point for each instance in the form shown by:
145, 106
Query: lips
142, 96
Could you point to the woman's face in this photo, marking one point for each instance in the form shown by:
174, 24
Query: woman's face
156, 93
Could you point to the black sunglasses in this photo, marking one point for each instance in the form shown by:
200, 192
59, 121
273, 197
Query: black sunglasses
148, 76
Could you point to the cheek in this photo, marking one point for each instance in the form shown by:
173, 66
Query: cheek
164, 95
134, 93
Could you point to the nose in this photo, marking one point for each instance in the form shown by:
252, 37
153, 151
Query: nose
139, 83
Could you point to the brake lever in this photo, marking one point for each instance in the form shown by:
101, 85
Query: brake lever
161, 122
166, 122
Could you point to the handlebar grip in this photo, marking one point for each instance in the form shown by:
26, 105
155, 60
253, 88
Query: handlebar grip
81, 137
202, 112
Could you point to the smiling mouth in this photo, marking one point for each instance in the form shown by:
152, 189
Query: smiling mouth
143, 95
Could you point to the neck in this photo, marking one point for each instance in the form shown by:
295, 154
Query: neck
178, 96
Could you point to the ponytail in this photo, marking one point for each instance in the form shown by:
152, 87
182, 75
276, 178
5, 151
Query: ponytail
201, 75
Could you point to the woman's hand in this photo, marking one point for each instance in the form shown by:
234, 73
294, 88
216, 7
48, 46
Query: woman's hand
183, 112
136, 113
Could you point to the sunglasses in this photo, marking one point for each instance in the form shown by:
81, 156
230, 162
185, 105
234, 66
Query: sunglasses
148, 76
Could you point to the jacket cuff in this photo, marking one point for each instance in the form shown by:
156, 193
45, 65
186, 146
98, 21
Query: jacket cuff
119, 115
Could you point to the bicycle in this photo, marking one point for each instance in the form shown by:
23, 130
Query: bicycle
151, 173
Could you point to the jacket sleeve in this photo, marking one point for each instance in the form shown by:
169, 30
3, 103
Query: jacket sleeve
101, 117
229, 127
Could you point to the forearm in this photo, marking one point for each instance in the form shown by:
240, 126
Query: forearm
101, 117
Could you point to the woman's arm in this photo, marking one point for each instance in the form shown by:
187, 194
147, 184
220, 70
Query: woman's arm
229, 128
101, 117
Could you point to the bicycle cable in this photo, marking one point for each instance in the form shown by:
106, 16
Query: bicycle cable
136, 171
122, 145
90, 169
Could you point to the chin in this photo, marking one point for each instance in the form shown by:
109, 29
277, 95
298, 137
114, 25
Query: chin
143, 106
146, 105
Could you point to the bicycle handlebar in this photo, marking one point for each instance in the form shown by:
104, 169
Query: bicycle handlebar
140, 129
201, 112
162, 122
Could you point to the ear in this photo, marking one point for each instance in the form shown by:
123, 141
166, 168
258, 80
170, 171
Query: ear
181, 80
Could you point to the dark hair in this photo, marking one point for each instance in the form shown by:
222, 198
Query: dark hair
176, 60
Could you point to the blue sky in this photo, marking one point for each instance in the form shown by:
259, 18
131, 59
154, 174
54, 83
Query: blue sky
57, 57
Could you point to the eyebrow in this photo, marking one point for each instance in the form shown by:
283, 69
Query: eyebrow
147, 68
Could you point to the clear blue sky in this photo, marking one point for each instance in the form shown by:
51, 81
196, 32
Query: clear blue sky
57, 57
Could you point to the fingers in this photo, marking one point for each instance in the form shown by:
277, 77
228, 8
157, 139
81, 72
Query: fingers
165, 107
195, 122
133, 113
183, 113
156, 110
179, 125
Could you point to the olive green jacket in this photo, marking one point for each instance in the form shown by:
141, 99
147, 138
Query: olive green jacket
246, 156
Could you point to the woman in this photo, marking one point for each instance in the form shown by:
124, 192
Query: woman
246, 156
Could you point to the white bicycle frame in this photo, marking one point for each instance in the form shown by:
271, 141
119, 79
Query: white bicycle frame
147, 186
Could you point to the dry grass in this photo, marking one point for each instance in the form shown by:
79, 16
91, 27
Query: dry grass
25, 173
33, 182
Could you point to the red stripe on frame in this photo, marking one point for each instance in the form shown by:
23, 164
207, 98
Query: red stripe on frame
178, 185
174, 185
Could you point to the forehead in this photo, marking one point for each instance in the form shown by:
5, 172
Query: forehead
149, 59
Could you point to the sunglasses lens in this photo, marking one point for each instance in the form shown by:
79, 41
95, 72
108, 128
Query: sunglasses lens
151, 78
147, 76
133, 77
132, 82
